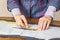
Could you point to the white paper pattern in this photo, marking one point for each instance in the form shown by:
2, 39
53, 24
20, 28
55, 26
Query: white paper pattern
7, 29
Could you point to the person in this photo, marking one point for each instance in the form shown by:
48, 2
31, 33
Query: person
42, 9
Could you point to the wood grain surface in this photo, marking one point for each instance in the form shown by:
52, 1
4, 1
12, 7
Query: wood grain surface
32, 20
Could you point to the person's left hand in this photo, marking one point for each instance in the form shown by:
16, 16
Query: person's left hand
44, 22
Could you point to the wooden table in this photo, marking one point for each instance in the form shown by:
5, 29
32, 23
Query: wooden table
6, 38
1, 38
10, 38
32, 20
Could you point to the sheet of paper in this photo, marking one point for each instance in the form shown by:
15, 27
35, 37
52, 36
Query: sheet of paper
7, 29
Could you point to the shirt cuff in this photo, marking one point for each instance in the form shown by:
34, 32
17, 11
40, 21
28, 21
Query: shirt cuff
15, 11
50, 11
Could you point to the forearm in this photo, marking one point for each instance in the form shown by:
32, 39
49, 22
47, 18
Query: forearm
50, 11
15, 11
54, 3
11, 4
52, 7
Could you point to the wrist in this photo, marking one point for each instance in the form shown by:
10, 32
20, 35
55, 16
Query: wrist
17, 16
48, 17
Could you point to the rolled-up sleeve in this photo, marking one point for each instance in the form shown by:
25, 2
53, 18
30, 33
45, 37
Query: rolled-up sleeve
11, 4
54, 3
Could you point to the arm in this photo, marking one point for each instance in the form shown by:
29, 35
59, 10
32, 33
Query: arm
11, 4
15, 11
54, 3
14, 7
52, 7
44, 21
50, 11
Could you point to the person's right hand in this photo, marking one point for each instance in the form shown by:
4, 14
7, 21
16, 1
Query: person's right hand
21, 20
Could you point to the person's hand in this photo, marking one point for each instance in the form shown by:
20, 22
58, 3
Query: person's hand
44, 22
21, 20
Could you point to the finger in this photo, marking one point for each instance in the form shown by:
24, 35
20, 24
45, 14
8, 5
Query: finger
19, 22
40, 25
25, 21
48, 23
44, 25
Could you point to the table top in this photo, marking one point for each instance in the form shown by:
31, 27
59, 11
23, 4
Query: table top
8, 28
6, 38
